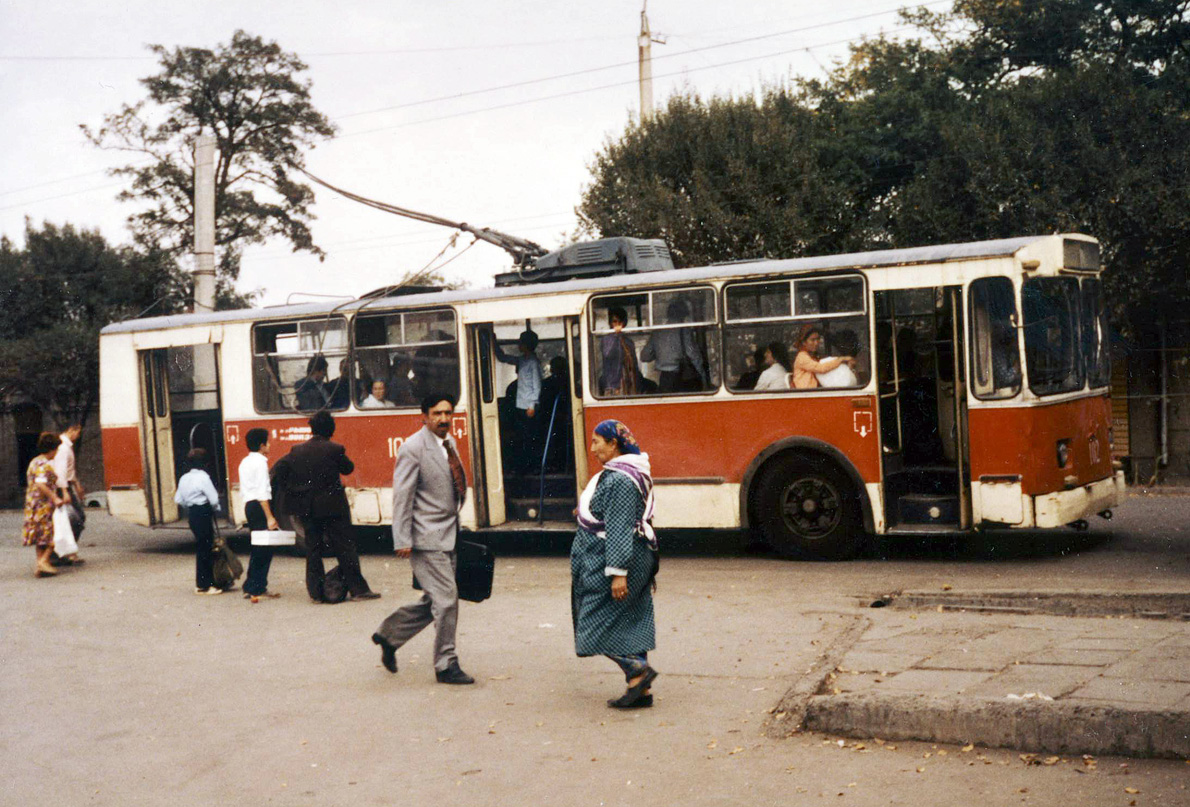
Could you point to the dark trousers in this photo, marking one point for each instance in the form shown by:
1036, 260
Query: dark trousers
527, 460
333, 533
203, 528
257, 581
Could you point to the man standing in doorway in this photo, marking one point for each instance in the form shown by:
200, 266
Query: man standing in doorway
69, 487
309, 477
429, 487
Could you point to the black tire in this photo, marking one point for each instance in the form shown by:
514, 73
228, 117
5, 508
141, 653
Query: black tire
807, 507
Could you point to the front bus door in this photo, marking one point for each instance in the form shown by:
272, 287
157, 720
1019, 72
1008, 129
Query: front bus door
487, 461
157, 434
923, 409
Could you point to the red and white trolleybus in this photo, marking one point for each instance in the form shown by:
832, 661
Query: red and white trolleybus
978, 395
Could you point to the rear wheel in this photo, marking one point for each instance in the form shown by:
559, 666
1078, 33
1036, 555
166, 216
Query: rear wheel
806, 506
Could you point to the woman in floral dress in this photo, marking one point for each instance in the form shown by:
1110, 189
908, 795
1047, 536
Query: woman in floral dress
41, 497
613, 561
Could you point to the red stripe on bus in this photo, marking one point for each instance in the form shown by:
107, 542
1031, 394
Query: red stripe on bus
122, 465
721, 438
1023, 440
372, 442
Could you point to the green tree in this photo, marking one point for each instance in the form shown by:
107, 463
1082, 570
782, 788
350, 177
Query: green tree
998, 119
249, 95
55, 295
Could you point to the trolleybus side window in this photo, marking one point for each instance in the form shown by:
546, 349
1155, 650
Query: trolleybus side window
1052, 346
765, 320
300, 366
403, 355
1095, 334
660, 342
995, 357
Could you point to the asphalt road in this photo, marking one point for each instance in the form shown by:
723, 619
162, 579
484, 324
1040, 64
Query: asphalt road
121, 687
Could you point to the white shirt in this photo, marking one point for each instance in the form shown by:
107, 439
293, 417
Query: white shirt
372, 403
254, 478
64, 463
841, 376
774, 377
195, 487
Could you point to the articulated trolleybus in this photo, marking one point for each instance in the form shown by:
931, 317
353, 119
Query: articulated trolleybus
976, 394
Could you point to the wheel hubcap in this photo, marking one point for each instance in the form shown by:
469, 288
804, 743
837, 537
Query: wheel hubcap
811, 507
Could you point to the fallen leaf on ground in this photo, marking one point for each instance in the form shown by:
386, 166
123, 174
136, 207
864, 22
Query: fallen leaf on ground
947, 586
968, 747
499, 677
1131, 790
713, 744
1051, 761
735, 750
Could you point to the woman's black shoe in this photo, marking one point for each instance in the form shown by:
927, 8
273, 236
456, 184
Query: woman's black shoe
626, 701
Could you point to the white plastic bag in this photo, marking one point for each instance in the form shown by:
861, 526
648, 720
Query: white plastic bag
64, 543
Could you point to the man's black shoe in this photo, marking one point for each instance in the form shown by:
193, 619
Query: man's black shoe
388, 653
367, 595
454, 675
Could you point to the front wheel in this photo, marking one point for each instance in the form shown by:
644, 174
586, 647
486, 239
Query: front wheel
806, 506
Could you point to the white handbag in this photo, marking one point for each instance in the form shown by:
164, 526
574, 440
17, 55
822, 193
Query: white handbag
64, 543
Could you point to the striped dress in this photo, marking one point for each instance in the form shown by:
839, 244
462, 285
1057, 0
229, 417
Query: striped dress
602, 625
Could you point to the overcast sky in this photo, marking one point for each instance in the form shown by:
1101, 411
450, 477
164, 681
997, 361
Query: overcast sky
513, 159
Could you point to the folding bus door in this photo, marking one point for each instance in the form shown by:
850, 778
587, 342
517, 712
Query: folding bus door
157, 433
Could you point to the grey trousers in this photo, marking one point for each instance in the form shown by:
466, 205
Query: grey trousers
439, 603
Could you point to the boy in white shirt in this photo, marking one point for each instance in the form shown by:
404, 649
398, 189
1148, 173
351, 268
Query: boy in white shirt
257, 493
197, 494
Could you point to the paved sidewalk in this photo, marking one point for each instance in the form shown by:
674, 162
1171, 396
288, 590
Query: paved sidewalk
1062, 685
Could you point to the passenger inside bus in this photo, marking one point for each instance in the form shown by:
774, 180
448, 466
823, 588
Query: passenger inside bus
555, 416
842, 344
807, 366
776, 368
400, 387
311, 392
620, 374
378, 397
754, 364
676, 354
340, 388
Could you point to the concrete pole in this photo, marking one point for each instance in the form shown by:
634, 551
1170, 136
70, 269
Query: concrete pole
204, 223
645, 44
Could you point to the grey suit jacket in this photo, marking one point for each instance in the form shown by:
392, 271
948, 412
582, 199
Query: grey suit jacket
425, 515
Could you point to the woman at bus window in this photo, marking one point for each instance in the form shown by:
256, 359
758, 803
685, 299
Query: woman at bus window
807, 364
613, 561
776, 368
41, 497
620, 372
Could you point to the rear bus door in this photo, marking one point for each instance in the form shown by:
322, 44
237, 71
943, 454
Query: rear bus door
157, 433
488, 463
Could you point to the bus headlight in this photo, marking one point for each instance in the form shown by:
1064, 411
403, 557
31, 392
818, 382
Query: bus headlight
1063, 453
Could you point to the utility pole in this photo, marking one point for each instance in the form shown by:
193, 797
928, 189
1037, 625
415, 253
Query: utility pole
645, 43
204, 223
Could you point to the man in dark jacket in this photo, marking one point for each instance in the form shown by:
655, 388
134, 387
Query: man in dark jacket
308, 477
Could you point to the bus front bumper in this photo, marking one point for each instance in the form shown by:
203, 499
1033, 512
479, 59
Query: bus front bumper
1066, 506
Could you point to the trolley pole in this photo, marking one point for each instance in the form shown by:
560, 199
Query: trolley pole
204, 223
645, 46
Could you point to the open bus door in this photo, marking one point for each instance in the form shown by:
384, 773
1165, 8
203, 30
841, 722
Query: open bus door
181, 409
488, 463
157, 432
923, 409
528, 464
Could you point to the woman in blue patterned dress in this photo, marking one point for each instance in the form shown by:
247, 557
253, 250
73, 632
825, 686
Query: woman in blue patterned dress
613, 561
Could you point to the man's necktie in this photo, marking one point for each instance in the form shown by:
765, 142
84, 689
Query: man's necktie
456, 473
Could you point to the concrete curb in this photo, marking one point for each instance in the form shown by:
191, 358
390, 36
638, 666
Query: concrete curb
1045, 726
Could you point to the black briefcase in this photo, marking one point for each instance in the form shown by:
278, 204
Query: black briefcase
475, 567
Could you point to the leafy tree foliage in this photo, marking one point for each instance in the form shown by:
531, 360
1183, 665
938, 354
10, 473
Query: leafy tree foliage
999, 119
248, 94
55, 295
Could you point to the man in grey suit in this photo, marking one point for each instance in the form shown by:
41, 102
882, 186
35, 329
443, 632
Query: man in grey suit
428, 489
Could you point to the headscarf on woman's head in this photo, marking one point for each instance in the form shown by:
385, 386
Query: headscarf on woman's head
614, 430
807, 330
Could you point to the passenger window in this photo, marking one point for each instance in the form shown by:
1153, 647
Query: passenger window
402, 356
797, 334
300, 366
655, 343
995, 357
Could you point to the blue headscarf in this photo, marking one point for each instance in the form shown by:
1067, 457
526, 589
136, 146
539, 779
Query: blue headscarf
614, 430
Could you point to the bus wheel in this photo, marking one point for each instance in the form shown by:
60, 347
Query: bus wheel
807, 507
